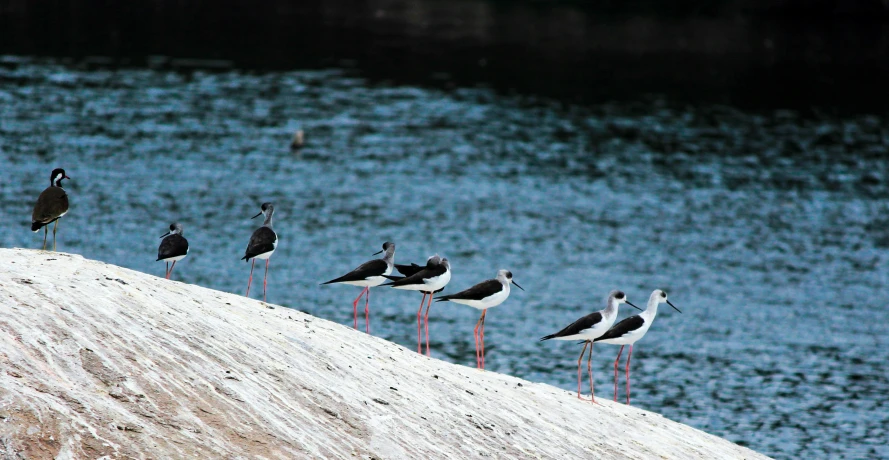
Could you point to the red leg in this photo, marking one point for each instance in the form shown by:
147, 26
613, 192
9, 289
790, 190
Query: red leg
426, 323
265, 278
367, 311
589, 370
482, 337
167, 271
615, 371
419, 325
355, 307
579, 361
171, 270
630, 355
478, 361
250, 281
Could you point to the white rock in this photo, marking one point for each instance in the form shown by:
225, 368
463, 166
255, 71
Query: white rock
105, 361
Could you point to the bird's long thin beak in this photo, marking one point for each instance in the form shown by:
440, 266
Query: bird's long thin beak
168, 233
66, 177
674, 306
381, 250
637, 308
517, 285
254, 217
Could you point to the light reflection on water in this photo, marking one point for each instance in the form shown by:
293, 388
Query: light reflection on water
768, 230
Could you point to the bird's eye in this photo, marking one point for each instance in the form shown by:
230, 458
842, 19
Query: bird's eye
620, 295
663, 294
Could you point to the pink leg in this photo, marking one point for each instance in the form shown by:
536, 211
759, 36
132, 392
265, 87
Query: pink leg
367, 311
615, 371
265, 278
482, 338
419, 325
355, 307
579, 361
426, 323
250, 281
171, 269
167, 271
589, 370
478, 360
630, 355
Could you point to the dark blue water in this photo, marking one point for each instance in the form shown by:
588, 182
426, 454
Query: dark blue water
769, 230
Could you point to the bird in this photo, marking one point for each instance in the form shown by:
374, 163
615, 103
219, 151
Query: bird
51, 205
484, 295
262, 245
630, 330
368, 275
174, 247
591, 327
429, 279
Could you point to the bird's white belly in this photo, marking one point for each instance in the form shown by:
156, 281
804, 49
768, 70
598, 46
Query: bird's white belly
434, 284
265, 255
488, 302
174, 259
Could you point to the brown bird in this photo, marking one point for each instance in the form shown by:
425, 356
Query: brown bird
51, 205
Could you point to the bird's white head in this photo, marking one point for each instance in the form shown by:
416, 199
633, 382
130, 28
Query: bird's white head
658, 297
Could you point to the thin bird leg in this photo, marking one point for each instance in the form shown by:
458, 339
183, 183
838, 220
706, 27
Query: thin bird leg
54, 228
167, 271
615, 371
426, 323
580, 360
419, 325
478, 360
482, 337
171, 270
45, 233
367, 311
265, 279
355, 308
630, 355
589, 370
250, 280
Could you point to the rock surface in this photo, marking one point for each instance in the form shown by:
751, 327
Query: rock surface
98, 360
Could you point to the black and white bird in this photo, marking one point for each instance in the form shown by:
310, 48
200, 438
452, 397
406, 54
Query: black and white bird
484, 295
51, 205
589, 328
368, 275
262, 245
173, 248
429, 279
630, 330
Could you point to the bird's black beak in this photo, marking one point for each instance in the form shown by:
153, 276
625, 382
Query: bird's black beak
517, 285
637, 308
254, 217
66, 177
168, 234
381, 250
674, 306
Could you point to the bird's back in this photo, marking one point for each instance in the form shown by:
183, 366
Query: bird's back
51, 204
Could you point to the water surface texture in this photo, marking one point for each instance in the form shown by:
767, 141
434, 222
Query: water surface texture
769, 230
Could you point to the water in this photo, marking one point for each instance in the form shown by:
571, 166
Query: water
769, 230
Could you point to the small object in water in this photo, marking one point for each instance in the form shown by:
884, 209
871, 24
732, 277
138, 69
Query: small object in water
298, 140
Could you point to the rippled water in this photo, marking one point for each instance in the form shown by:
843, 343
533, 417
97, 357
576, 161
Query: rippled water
769, 230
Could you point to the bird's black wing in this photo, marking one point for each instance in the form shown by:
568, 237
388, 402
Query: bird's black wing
172, 246
262, 241
622, 328
584, 323
417, 278
477, 292
408, 270
364, 271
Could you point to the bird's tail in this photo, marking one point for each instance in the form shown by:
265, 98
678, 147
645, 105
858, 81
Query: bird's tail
547, 337
36, 226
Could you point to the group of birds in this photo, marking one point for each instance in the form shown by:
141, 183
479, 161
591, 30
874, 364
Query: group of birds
428, 279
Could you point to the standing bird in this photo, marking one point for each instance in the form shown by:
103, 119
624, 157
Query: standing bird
368, 275
298, 140
429, 279
173, 248
483, 296
631, 329
262, 245
589, 328
51, 205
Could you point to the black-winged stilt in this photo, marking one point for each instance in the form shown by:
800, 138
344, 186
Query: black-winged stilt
51, 205
173, 248
368, 275
262, 245
429, 279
